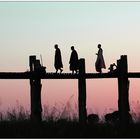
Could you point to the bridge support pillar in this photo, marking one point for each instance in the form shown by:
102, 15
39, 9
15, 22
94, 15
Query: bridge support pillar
82, 92
35, 92
123, 88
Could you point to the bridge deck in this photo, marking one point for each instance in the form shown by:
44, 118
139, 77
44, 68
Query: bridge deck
29, 75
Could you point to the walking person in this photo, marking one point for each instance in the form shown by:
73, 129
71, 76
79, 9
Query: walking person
100, 63
58, 59
73, 61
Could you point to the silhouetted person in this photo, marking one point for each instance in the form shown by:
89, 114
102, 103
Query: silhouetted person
100, 60
113, 68
58, 59
73, 61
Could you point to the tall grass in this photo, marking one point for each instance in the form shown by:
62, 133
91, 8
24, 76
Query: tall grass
68, 111
135, 111
61, 111
58, 111
59, 121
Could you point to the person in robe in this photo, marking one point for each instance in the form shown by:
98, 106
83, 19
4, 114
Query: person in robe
58, 59
100, 63
73, 61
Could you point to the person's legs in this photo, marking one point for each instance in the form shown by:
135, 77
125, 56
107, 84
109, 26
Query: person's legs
100, 70
56, 70
76, 71
61, 70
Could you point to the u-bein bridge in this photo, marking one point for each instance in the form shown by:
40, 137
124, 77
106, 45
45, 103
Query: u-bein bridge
37, 72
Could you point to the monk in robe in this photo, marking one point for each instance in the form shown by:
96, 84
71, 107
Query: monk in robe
100, 63
58, 59
73, 61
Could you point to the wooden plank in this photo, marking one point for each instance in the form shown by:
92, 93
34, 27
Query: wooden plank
133, 75
30, 75
100, 75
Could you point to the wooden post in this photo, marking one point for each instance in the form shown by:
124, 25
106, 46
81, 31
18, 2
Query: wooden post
32, 60
123, 87
82, 92
35, 84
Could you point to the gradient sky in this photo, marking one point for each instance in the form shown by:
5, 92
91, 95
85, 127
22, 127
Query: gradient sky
32, 28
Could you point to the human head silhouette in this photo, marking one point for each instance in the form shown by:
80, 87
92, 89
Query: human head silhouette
72, 48
99, 46
56, 46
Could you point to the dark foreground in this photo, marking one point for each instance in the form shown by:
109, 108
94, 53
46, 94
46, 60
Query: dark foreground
65, 129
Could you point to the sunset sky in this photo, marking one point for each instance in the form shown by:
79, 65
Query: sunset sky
32, 28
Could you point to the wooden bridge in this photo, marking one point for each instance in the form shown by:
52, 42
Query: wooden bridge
31, 75
37, 72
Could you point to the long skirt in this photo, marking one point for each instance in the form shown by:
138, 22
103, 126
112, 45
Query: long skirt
100, 63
